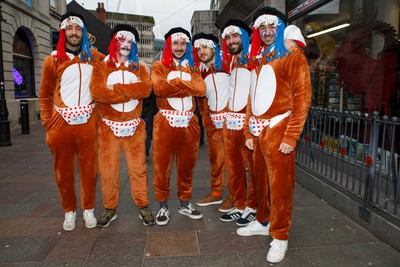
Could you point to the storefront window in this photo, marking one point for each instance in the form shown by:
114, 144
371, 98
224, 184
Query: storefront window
353, 52
22, 66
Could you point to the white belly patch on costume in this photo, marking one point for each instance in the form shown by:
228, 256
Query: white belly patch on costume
263, 90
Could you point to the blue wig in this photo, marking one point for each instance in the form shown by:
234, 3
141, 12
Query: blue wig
133, 56
245, 44
188, 55
279, 45
86, 44
218, 57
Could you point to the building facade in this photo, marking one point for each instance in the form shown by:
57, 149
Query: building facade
143, 24
204, 21
26, 36
158, 47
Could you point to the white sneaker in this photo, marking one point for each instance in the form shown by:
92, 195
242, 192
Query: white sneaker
162, 217
253, 228
277, 251
90, 220
69, 221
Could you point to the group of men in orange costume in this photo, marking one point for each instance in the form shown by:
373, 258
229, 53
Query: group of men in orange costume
254, 103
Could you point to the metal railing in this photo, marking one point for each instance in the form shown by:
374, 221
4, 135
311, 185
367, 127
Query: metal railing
357, 152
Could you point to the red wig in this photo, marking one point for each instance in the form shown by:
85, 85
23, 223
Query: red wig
111, 51
196, 57
255, 48
61, 53
226, 57
167, 56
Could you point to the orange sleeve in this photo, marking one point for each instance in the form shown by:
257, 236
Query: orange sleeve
161, 86
97, 56
300, 82
203, 106
138, 90
204, 111
98, 86
246, 131
195, 87
48, 83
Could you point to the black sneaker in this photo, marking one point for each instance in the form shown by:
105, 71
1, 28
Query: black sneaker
146, 216
247, 217
231, 216
108, 216
162, 217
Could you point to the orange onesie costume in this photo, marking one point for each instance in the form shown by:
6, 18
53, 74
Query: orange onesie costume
212, 108
176, 131
120, 126
280, 97
238, 157
70, 117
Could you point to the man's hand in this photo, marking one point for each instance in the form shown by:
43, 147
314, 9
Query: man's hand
285, 148
249, 143
290, 43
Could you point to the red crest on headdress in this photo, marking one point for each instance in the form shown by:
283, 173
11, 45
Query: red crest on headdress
255, 48
196, 57
61, 53
167, 56
226, 57
111, 51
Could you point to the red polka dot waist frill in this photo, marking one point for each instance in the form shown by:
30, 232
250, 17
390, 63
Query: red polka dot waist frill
177, 118
76, 115
122, 128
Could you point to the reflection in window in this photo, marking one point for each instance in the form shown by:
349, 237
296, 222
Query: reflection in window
18, 79
354, 68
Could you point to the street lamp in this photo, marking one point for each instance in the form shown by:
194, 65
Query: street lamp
4, 122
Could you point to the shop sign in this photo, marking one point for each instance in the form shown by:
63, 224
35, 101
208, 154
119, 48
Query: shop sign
303, 6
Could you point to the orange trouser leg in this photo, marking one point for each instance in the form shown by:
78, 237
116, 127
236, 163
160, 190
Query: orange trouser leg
260, 174
251, 198
87, 162
164, 148
109, 162
135, 154
235, 164
280, 180
60, 138
65, 141
216, 154
186, 158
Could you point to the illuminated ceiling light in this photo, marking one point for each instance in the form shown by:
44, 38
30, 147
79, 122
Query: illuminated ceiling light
329, 30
